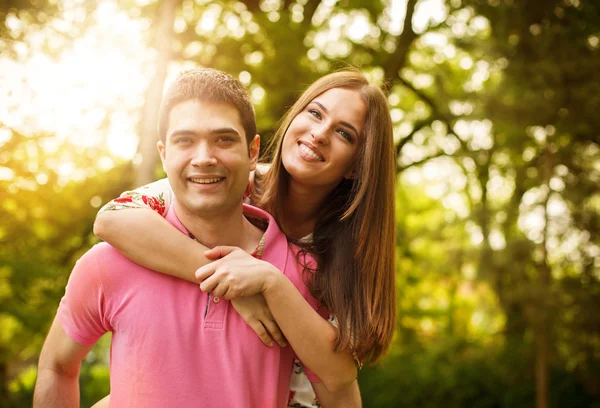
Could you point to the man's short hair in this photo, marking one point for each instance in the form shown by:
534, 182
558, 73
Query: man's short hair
209, 85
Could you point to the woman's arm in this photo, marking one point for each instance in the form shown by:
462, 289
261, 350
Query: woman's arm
348, 397
103, 403
134, 225
312, 337
144, 236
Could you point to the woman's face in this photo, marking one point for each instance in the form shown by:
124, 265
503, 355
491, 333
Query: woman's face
321, 142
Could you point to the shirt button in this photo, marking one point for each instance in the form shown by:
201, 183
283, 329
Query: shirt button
216, 299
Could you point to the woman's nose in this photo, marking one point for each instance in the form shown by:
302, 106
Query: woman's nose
319, 134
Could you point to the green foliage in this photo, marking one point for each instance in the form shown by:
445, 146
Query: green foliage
46, 226
495, 112
460, 375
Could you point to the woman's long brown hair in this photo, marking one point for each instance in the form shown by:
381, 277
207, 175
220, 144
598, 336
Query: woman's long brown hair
353, 240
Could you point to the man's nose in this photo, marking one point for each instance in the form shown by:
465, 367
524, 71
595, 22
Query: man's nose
204, 155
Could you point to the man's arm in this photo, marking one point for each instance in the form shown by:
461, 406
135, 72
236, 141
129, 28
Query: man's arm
57, 382
348, 397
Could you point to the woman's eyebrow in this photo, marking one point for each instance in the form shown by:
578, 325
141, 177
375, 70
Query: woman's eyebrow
341, 122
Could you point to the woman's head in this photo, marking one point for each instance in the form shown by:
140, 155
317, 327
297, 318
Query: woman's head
342, 123
350, 150
322, 140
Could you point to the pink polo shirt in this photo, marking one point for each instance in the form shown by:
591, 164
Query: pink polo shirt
172, 345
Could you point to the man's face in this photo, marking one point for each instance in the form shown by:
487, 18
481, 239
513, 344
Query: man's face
205, 156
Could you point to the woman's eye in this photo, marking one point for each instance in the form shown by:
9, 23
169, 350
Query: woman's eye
315, 113
345, 135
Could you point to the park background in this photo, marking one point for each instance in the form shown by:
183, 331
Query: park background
496, 108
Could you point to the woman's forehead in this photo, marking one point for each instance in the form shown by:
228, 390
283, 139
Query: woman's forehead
346, 104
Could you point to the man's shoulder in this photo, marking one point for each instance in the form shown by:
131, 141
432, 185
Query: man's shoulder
105, 257
103, 249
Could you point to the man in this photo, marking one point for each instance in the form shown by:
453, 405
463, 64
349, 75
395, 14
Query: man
173, 345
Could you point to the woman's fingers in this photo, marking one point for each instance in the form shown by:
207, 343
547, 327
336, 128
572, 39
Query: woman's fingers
260, 330
206, 271
274, 331
219, 252
230, 293
210, 285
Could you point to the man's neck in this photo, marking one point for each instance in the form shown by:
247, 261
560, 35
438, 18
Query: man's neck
211, 230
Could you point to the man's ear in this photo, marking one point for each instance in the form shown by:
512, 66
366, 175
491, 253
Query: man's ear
254, 151
162, 152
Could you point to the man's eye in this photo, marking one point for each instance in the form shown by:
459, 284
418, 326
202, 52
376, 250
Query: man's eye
182, 140
315, 113
226, 139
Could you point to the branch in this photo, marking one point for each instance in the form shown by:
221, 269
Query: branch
251, 5
437, 113
400, 169
398, 59
310, 8
420, 125
435, 110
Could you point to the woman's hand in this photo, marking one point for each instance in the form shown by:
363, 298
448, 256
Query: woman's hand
255, 312
235, 274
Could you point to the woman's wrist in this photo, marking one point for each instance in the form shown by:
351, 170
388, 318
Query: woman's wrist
271, 280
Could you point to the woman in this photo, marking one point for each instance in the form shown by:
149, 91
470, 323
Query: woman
331, 188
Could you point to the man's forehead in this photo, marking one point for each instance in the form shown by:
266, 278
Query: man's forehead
206, 117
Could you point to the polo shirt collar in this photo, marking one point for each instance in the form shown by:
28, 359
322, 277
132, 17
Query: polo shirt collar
276, 245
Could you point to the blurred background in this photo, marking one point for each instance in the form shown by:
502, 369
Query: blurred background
496, 106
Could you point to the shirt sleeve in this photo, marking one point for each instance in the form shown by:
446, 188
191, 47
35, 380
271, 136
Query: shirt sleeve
156, 196
81, 312
302, 393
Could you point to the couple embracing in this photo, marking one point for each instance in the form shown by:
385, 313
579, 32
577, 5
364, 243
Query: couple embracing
296, 289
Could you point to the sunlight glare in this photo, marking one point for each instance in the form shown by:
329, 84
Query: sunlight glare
74, 96
359, 28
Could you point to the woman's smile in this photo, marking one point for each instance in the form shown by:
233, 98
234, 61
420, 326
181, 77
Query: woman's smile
310, 153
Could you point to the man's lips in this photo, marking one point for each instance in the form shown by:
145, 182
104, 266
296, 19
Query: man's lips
205, 179
311, 151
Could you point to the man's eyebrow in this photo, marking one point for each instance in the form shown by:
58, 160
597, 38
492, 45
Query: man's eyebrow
225, 130
342, 122
182, 132
216, 131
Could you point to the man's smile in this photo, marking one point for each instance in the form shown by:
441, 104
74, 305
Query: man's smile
205, 180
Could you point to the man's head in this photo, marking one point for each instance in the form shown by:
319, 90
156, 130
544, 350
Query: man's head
205, 147
209, 85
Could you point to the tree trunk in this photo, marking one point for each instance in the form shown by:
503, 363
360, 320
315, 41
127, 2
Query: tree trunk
3, 381
541, 369
544, 315
148, 125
